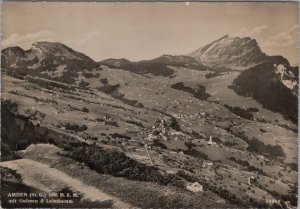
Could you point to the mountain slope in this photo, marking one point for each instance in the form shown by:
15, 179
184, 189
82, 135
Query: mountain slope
274, 84
180, 61
235, 53
47, 59
157, 66
270, 80
141, 67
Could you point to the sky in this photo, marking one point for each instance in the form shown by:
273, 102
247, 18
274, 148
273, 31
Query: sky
138, 31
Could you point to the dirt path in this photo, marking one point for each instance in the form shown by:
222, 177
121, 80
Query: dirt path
47, 179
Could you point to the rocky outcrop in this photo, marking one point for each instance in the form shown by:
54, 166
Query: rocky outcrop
235, 53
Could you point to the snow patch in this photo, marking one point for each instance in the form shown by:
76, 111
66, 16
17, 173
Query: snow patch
286, 77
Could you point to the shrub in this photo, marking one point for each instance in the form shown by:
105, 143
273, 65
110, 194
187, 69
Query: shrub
199, 93
84, 109
75, 127
240, 112
83, 84
117, 163
268, 150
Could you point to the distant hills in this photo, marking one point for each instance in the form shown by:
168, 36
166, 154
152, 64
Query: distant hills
46, 55
52, 60
157, 66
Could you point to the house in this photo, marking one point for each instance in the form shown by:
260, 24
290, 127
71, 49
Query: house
151, 137
177, 133
261, 157
250, 180
171, 172
194, 187
36, 123
209, 163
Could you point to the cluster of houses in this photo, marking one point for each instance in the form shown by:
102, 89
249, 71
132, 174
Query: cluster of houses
194, 187
188, 117
165, 132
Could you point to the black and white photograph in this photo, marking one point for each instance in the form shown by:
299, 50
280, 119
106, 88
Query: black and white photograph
149, 105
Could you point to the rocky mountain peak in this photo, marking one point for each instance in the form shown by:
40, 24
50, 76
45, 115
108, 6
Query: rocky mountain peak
230, 52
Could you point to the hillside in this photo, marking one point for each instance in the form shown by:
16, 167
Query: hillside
157, 66
157, 126
273, 84
54, 61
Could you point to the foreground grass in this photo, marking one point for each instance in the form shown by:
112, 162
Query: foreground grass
137, 193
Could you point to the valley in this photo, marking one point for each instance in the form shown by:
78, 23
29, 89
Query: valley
146, 129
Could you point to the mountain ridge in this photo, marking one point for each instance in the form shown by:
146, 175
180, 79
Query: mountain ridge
235, 53
56, 61
43, 55
226, 52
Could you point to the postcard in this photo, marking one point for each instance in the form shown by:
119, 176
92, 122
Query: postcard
149, 105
